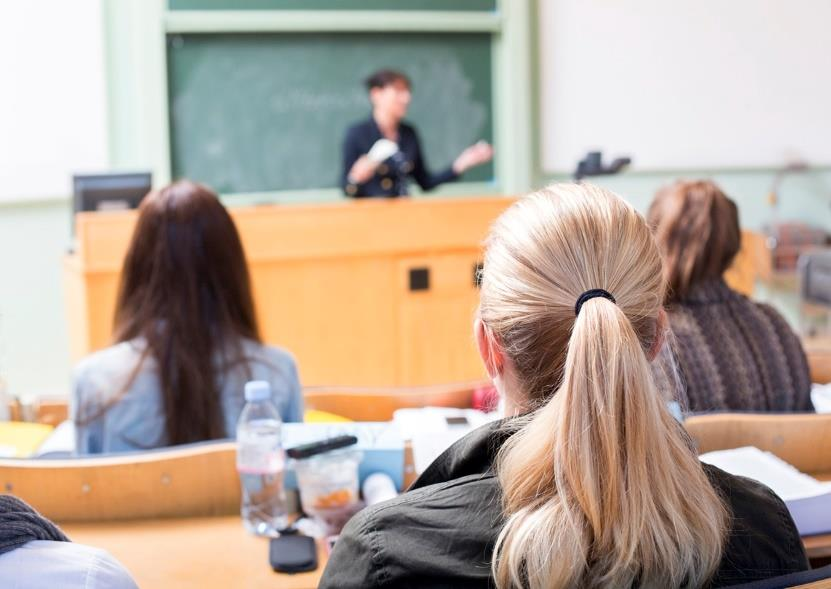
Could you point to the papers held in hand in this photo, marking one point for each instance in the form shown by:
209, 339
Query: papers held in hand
808, 499
381, 150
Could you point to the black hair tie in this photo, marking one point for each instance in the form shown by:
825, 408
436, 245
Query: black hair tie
592, 294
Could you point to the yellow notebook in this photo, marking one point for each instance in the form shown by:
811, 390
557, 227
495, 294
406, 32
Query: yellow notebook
20, 440
315, 416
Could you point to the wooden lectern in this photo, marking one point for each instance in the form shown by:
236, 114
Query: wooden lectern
369, 293
363, 293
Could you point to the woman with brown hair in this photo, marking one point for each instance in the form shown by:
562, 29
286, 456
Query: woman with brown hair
733, 353
593, 483
186, 337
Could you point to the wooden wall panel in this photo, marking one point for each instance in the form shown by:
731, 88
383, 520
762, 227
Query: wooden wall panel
435, 341
336, 316
329, 285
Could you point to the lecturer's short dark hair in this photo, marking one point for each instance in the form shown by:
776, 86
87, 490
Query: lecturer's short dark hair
385, 77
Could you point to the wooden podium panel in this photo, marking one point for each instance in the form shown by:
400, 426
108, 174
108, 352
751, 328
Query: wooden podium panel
441, 345
340, 285
336, 316
331, 283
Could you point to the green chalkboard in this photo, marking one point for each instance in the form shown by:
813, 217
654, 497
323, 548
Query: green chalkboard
263, 112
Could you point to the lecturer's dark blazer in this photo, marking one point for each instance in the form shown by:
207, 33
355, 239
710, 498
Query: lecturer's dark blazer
393, 174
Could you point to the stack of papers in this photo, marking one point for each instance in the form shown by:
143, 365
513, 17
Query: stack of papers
808, 499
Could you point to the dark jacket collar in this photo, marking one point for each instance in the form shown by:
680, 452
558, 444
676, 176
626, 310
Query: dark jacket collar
473, 454
373, 126
403, 127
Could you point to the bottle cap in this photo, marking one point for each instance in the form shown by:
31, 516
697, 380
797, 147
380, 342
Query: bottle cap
257, 390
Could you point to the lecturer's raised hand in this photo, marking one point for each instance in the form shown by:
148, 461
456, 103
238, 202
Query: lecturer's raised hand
364, 167
477, 154
362, 170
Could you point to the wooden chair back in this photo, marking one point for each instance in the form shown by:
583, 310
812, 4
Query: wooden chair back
355, 403
378, 404
192, 480
801, 439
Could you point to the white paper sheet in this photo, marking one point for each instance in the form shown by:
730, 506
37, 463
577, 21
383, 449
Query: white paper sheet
432, 430
807, 499
781, 477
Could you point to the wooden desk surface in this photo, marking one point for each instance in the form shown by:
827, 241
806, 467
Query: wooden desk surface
217, 552
198, 553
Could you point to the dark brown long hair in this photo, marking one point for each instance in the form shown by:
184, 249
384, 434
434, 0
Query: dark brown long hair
185, 290
697, 229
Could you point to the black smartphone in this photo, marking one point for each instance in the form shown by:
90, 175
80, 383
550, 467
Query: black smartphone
293, 553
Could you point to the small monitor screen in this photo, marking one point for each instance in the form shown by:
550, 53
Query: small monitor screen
109, 192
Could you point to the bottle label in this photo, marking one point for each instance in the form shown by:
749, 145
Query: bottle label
259, 460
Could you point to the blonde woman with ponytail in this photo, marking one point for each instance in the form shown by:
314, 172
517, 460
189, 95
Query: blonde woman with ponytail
591, 482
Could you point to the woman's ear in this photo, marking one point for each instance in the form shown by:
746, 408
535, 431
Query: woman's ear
660, 335
489, 349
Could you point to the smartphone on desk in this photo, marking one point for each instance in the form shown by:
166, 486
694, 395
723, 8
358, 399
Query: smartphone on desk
293, 553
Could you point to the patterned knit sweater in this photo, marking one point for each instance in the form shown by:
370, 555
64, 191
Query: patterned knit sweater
734, 354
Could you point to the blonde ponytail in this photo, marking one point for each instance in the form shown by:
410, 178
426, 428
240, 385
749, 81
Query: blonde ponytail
600, 488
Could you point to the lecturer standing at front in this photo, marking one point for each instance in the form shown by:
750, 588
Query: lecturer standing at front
381, 153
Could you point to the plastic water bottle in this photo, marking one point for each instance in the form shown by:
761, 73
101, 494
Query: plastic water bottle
261, 462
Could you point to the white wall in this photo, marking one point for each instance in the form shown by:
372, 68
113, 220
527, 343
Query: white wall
659, 81
686, 84
52, 106
34, 344
52, 123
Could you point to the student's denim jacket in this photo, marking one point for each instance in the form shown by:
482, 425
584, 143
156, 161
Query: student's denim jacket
134, 419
